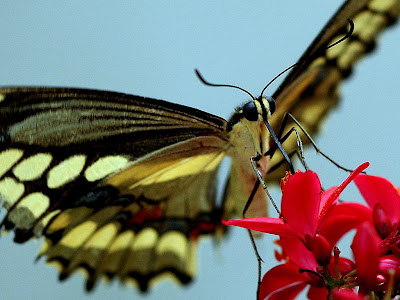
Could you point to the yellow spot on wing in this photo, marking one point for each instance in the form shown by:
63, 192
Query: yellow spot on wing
37, 230
173, 241
103, 236
349, 56
29, 209
10, 191
79, 234
140, 255
92, 251
368, 25
122, 241
145, 239
44, 247
164, 169
116, 253
76, 236
105, 166
8, 158
190, 166
173, 250
383, 6
66, 171
68, 218
32, 167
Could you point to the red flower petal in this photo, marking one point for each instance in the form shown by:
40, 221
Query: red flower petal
345, 266
321, 250
365, 248
300, 202
342, 218
389, 262
297, 252
282, 282
326, 195
264, 224
345, 294
382, 222
334, 196
375, 189
317, 293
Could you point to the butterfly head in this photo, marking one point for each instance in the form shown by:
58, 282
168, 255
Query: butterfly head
249, 135
259, 109
255, 112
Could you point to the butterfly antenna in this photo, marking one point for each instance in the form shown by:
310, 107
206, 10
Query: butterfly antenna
276, 77
223, 85
348, 34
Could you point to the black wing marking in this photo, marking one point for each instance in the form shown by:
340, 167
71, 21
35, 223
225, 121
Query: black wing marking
98, 121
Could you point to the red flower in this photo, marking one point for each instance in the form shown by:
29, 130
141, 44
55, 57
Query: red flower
376, 247
311, 223
287, 280
384, 200
365, 248
305, 210
373, 270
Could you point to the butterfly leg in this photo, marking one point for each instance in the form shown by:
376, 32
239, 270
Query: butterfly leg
281, 162
253, 161
299, 150
253, 242
277, 145
278, 140
317, 149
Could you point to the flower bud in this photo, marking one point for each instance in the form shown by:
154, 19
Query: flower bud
382, 223
321, 250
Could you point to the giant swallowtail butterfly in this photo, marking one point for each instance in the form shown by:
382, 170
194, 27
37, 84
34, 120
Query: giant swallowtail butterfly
122, 185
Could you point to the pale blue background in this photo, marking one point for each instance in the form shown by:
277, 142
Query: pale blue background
151, 49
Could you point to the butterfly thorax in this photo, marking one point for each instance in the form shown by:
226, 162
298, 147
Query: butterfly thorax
247, 140
248, 137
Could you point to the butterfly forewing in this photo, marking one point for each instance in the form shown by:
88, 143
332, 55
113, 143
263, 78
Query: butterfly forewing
99, 121
310, 90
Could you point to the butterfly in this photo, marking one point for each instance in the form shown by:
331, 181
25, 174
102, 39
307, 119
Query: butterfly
123, 185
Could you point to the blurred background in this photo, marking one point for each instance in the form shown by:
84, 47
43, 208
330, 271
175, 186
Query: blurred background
151, 49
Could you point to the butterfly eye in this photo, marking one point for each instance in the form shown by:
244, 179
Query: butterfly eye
250, 111
272, 104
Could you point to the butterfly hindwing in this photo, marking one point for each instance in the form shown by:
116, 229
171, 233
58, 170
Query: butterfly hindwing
73, 171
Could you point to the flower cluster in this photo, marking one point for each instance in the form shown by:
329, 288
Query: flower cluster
312, 221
